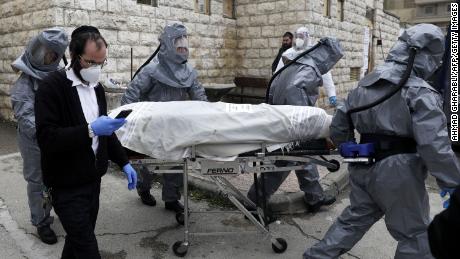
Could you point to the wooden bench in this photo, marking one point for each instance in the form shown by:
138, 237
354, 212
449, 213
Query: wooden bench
248, 90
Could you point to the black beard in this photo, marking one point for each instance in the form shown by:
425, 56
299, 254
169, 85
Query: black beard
285, 46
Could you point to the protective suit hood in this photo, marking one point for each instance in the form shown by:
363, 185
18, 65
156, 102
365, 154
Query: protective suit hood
301, 39
322, 59
392, 72
31, 62
298, 83
428, 39
171, 67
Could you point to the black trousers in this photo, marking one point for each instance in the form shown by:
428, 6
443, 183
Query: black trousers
77, 209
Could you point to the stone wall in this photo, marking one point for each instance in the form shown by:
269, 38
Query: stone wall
388, 25
125, 25
262, 23
19, 21
220, 48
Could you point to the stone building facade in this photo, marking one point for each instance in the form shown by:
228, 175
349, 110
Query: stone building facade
222, 45
413, 12
261, 23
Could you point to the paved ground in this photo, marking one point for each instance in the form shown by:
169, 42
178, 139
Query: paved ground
7, 138
290, 185
128, 229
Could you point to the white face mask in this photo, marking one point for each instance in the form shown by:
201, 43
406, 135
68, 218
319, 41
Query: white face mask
299, 43
91, 74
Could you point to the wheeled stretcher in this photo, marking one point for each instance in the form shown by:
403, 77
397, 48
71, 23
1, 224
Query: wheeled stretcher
255, 162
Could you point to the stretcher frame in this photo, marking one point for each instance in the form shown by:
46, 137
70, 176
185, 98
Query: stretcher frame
259, 162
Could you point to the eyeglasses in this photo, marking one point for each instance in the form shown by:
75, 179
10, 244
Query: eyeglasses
92, 63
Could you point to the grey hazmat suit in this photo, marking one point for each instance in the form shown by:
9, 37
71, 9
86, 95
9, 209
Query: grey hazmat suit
42, 56
298, 85
167, 78
328, 83
394, 186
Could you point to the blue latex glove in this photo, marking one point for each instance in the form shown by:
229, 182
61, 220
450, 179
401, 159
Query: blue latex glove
131, 175
443, 193
105, 126
333, 101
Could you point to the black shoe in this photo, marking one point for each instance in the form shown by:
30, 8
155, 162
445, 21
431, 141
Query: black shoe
326, 201
147, 198
175, 206
47, 235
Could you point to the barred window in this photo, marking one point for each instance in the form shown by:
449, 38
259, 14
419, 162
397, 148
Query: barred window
430, 9
409, 4
153, 3
355, 73
203, 6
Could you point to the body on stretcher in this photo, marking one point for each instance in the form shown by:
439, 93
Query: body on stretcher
219, 131
254, 162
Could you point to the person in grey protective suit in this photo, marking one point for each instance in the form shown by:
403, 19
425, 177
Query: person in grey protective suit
410, 135
301, 44
167, 78
297, 85
41, 57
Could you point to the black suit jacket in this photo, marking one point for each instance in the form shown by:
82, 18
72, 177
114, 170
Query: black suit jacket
67, 157
277, 59
444, 230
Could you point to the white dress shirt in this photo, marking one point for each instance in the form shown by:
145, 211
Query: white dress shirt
88, 101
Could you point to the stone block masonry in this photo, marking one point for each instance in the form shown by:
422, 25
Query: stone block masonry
261, 24
220, 48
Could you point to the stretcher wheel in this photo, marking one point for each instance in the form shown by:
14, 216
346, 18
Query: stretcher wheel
283, 244
335, 162
180, 218
180, 249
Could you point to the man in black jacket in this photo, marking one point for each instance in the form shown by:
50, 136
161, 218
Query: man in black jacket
287, 44
76, 139
443, 230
